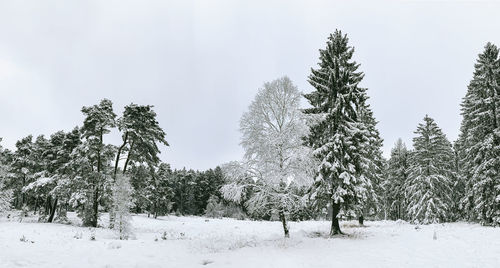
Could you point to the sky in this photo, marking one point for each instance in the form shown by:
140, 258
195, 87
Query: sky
200, 63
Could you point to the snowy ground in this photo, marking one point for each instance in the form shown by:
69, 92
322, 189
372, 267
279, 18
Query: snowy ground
196, 242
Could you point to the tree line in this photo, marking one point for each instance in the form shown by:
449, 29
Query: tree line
326, 159
77, 171
322, 161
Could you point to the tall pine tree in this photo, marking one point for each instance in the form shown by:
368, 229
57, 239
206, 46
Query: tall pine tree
480, 140
373, 166
397, 171
429, 181
338, 137
99, 119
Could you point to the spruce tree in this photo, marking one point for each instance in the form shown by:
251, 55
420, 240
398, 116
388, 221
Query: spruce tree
458, 184
373, 166
431, 170
159, 190
480, 141
396, 180
338, 137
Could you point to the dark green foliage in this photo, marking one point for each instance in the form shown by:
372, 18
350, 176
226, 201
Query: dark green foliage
398, 168
141, 135
99, 119
479, 141
339, 135
431, 171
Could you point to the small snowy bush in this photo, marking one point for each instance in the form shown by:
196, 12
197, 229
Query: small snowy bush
78, 235
62, 217
5, 200
92, 234
23, 239
114, 245
26, 240
233, 211
23, 213
172, 235
214, 208
122, 201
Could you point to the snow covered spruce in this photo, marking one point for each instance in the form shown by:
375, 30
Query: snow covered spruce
343, 135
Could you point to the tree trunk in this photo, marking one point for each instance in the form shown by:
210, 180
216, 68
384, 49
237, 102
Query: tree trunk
128, 157
285, 225
53, 211
95, 207
119, 153
48, 205
335, 221
22, 193
361, 219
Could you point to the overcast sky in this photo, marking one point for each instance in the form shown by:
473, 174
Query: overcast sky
200, 63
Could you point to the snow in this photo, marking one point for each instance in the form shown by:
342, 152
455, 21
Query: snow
195, 242
38, 183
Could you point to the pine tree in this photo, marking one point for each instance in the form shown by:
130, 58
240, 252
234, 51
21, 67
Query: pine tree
429, 181
207, 184
141, 135
159, 190
122, 201
183, 183
21, 170
396, 181
480, 141
339, 136
99, 119
458, 184
5, 194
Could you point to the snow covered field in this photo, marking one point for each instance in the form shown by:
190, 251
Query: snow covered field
199, 242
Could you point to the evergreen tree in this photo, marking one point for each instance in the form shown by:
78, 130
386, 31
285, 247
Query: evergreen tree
99, 119
339, 136
184, 201
159, 190
21, 170
141, 133
5, 194
41, 181
479, 140
140, 180
458, 185
373, 167
431, 171
398, 168
207, 184
63, 170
